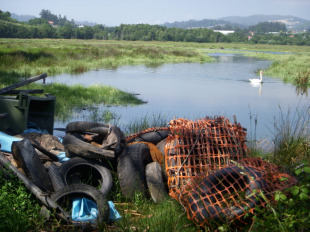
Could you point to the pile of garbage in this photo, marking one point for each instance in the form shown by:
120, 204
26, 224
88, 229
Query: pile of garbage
202, 164
74, 174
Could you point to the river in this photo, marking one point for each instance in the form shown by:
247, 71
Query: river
193, 90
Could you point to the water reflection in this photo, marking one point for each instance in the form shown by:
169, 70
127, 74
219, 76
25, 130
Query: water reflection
257, 85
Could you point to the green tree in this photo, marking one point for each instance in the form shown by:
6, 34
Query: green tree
37, 21
66, 31
46, 14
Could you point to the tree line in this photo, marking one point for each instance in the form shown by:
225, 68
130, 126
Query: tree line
53, 26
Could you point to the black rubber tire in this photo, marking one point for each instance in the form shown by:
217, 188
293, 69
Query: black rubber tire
75, 146
63, 197
56, 178
92, 127
88, 172
155, 183
25, 154
131, 169
205, 209
152, 137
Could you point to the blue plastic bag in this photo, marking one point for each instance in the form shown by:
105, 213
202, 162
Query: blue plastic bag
84, 210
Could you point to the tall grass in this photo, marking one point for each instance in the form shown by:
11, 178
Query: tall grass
292, 137
155, 120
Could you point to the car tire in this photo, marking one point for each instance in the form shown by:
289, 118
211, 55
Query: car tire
79, 170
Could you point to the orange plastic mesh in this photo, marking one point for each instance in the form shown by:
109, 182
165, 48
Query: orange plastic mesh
275, 176
227, 195
201, 146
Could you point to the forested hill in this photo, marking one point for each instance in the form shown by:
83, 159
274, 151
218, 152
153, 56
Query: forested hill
291, 22
50, 25
204, 23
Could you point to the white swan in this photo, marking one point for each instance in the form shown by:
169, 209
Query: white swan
260, 80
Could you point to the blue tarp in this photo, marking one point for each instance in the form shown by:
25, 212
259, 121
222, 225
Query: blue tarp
6, 142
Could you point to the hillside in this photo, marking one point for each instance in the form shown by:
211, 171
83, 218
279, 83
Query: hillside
22, 18
204, 23
26, 18
291, 22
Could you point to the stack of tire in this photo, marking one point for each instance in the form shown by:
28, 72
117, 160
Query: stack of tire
140, 166
88, 171
93, 160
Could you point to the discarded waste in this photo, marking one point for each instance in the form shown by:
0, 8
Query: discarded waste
202, 164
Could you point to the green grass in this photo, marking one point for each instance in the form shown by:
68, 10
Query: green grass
19, 211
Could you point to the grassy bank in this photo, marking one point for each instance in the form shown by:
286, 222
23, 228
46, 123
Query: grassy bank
26, 57
31, 57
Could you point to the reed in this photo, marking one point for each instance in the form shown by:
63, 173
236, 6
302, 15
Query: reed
292, 137
155, 120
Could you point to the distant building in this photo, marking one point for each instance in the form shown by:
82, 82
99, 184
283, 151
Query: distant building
225, 32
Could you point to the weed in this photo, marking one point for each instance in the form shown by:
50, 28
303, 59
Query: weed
291, 212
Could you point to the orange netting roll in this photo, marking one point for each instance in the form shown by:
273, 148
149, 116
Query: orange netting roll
233, 192
201, 146
275, 176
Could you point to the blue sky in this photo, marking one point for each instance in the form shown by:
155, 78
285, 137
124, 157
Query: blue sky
115, 12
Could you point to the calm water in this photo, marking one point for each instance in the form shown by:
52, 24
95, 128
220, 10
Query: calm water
197, 90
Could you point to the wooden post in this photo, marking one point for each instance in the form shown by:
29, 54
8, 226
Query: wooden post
22, 83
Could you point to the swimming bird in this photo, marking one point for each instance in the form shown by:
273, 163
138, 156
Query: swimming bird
260, 80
